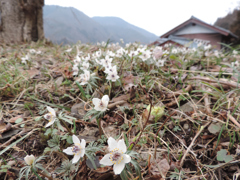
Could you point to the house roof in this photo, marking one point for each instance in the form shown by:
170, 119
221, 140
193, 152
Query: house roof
179, 40
200, 22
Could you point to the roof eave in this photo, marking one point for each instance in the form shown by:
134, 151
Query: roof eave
194, 20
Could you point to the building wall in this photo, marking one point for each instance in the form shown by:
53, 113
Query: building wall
193, 29
214, 39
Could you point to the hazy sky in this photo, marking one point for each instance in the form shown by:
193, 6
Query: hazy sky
156, 16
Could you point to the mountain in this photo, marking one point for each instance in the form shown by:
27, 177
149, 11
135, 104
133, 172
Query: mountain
118, 28
69, 25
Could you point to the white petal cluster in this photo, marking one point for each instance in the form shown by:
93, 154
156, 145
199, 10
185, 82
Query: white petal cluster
25, 59
51, 116
101, 104
78, 150
145, 55
29, 159
84, 78
110, 70
117, 156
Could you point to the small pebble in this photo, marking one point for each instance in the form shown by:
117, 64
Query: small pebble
186, 126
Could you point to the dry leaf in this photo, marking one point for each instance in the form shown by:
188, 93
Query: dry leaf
13, 119
130, 82
160, 165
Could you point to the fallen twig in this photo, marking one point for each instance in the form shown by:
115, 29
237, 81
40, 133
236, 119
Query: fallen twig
221, 81
206, 101
233, 119
187, 89
192, 143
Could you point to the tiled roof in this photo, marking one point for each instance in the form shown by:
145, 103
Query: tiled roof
198, 21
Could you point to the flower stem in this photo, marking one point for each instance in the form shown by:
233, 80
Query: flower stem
110, 84
99, 126
36, 173
65, 125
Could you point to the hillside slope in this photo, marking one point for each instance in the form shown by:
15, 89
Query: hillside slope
69, 25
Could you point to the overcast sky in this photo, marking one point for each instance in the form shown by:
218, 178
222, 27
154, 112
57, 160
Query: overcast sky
155, 16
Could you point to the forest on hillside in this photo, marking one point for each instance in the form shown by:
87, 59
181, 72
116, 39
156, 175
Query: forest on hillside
231, 22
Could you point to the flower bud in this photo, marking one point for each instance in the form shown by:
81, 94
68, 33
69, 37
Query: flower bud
156, 113
29, 159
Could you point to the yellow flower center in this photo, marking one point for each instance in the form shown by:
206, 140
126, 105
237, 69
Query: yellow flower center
50, 117
76, 149
116, 156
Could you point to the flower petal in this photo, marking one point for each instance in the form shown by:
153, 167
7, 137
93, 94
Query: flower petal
81, 154
46, 116
51, 110
50, 123
76, 158
75, 139
83, 143
126, 158
122, 146
117, 168
68, 151
97, 108
96, 101
112, 144
105, 98
106, 160
29, 159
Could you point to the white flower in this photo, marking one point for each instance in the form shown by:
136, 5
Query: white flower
85, 77
101, 104
174, 51
106, 61
97, 61
87, 58
29, 159
112, 76
236, 63
207, 47
32, 51
120, 52
145, 55
133, 53
68, 50
117, 156
51, 116
110, 68
160, 62
77, 60
78, 150
25, 59
75, 69
235, 52
103, 44
98, 53
110, 53
39, 52
85, 66
216, 53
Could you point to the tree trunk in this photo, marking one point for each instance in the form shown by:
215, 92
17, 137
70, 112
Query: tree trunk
21, 20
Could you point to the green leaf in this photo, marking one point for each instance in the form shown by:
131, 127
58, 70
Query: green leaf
81, 89
69, 139
47, 149
222, 156
19, 120
38, 118
48, 131
214, 128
